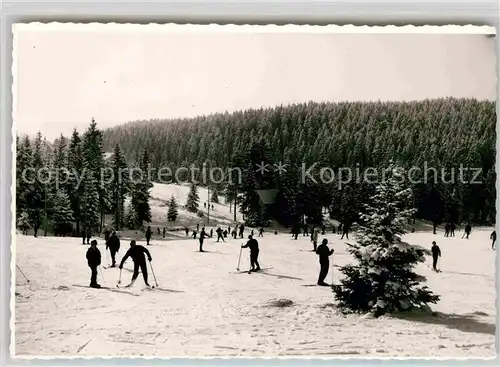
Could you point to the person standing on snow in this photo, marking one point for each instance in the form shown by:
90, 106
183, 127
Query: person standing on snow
468, 229
493, 238
148, 235
436, 254
93, 260
113, 244
254, 253
261, 232
219, 235
324, 261
242, 230
136, 252
203, 234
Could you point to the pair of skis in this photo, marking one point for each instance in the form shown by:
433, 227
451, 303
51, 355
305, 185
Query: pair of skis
133, 281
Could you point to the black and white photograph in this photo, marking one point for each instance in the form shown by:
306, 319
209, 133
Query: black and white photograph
253, 191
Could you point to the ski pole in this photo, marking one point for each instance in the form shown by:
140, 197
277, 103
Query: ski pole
102, 275
25, 277
120, 279
239, 259
153, 272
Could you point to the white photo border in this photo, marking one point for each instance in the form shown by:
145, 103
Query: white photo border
379, 13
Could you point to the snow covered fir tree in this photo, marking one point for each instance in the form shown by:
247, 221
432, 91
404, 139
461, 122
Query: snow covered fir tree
383, 279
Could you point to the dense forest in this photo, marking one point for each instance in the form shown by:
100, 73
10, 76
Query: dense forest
444, 134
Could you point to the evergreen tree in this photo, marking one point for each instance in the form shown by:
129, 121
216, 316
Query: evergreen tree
141, 187
131, 221
75, 186
383, 279
193, 199
172, 213
215, 197
119, 187
62, 215
90, 204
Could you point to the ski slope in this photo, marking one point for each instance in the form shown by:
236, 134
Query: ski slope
206, 308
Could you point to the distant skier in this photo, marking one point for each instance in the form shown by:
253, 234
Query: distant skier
93, 260
107, 233
225, 233
229, 229
148, 235
234, 233
447, 229
205, 205
251, 233
254, 253
220, 235
275, 233
313, 229
452, 229
467, 231
194, 234
345, 231
211, 232
436, 254
203, 234
213, 207
198, 227
324, 261
323, 229
164, 232
113, 244
158, 231
186, 229
242, 230
306, 230
261, 232
315, 239
136, 252
295, 230
493, 238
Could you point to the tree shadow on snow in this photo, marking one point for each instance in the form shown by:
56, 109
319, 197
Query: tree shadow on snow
278, 275
464, 323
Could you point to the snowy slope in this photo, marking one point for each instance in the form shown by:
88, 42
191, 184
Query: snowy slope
208, 309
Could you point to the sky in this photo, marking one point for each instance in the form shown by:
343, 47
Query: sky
65, 77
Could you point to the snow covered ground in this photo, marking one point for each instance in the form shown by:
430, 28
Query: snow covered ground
207, 308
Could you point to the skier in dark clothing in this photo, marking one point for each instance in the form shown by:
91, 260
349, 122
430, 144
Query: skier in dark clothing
198, 227
242, 230
186, 229
164, 232
229, 229
261, 232
107, 233
295, 230
324, 254
220, 235
194, 234
452, 229
148, 235
306, 230
467, 231
158, 230
203, 234
93, 260
251, 233
254, 253
436, 253
323, 229
345, 231
447, 230
234, 233
493, 238
225, 233
136, 252
113, 243
211, 232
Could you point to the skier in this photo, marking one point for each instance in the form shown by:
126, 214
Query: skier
334, 229
324, 253
254, 253
306, 230
447, 230
205, 205
164, 232
113, 244
493, 238
198, 227
158, 230
229, 229
315, 238
295, 230
93, 260
234, 233
467, 231
203, 234
194, 234
213, 207
211, 232
251, 233
345, 231
186, 229
136, 252
220, 235
452, 229
225, 233
323, 229
242, 230
261, 232
148, 235
275, 233
436, 253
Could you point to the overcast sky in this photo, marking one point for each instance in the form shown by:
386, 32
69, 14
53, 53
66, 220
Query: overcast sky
64, 78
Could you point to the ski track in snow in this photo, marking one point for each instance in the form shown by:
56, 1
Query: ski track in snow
208, 309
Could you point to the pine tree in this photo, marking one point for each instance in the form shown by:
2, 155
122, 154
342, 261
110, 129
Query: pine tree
75, 186
119, 187
383, 279
62, 215
141, 191
131, 221
193, 199
172, 210
215, 197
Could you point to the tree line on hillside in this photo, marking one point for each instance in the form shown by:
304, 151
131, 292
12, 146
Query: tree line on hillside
68, 187
442, 134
